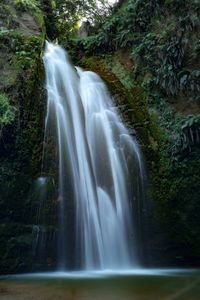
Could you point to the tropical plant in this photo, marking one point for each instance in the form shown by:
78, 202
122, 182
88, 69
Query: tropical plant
7, 112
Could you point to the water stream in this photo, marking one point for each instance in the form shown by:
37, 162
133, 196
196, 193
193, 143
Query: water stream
99, 167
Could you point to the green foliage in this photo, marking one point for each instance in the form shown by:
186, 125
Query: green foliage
181, 5
163, 74
21, 116
112, 63
27, 52
163, 51
93, 45
191, 120
120, 29
163, 56
7, 112
8, 16
69, 13
32, 7
26, 5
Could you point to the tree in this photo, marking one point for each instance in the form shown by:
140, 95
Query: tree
69, 13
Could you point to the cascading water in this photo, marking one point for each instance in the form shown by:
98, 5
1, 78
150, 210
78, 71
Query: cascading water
98, 164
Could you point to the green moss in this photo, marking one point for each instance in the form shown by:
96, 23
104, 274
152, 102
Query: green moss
133, 97
113, 64
155, 83
27, 53
25, 5
8, 16
22, 82
21, 55
16, 240
32, 6
7, 112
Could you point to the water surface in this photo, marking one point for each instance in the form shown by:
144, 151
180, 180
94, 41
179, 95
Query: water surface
141, 285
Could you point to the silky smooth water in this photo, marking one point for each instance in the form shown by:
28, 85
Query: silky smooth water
133, 285
100, 166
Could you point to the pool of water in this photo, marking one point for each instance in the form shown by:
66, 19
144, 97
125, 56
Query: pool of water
106, 285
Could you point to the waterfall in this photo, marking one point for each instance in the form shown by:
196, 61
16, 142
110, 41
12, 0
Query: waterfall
99, 168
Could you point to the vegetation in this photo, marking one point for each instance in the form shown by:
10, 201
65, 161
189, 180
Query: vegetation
21, 117
7, 112
154, 46
63, 17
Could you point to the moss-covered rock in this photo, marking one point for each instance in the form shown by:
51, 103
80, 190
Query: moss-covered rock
22, 102
152, 48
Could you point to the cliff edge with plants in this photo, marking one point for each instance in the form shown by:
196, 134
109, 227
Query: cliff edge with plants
22, 33
153, 48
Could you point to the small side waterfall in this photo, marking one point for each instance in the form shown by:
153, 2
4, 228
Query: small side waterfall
99, 167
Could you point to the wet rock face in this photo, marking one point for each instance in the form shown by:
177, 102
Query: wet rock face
21, 83
28, 24
17, 28
84, 30
15, 16
190, 137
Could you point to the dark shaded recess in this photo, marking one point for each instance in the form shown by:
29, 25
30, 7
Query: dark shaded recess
50, 19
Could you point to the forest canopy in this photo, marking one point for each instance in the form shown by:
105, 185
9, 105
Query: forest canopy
69, 14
